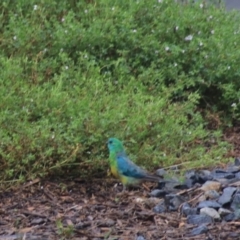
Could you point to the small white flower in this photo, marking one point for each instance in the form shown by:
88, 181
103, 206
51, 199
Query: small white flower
176, 28
66, 31
61, 50
160, 1
86, 56
233, 105
206, 56
183, 51
35, 7
199, 32
152, 31
150, 124
134, 30
113, 8
167, 48
15, 38
86, 11
63, 19
45, 50
200, 44
31, 100
212, 32
210, 17
201, 5
189, 133
156, 52
189, 38
175, 64
66, 67
228, 67
53, 136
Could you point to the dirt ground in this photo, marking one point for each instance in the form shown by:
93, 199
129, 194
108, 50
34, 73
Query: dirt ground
77, 209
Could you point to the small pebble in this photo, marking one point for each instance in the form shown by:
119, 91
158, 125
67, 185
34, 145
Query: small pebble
199, 230
160, 208
223, 211
199, 219
212, 194
211, 212
208, 203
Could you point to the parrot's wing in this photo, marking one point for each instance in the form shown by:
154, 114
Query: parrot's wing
127, 168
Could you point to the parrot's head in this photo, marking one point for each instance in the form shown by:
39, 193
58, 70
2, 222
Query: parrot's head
115, 145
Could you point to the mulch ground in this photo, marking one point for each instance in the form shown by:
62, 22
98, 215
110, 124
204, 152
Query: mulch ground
93, 210
85, 210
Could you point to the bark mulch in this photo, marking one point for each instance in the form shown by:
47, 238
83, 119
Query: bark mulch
93, 210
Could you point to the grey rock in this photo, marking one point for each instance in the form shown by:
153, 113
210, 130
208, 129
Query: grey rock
161, 185
189, 182
237, 175
200, 176
211, 212
190, 174
233, 169
160, 208
199, 230
226, 197
199, 219
208, 203
212, 194
172, 184
233, 216
158, 193
237, 214
220, 173
223, 181
173, 201
235, 205
223, 211
161, 172
205, 175
229, 217
188, 210
38, 221
169, 185
237, 161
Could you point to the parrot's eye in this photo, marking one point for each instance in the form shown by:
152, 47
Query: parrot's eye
110, 142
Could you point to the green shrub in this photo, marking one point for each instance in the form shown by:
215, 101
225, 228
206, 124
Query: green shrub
75, 73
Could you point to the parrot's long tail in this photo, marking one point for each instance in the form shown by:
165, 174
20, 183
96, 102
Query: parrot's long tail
152, 178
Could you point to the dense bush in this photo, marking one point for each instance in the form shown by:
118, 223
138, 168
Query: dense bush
77, 72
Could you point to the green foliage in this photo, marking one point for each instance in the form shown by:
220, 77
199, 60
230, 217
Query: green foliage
77, 72
64, 232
